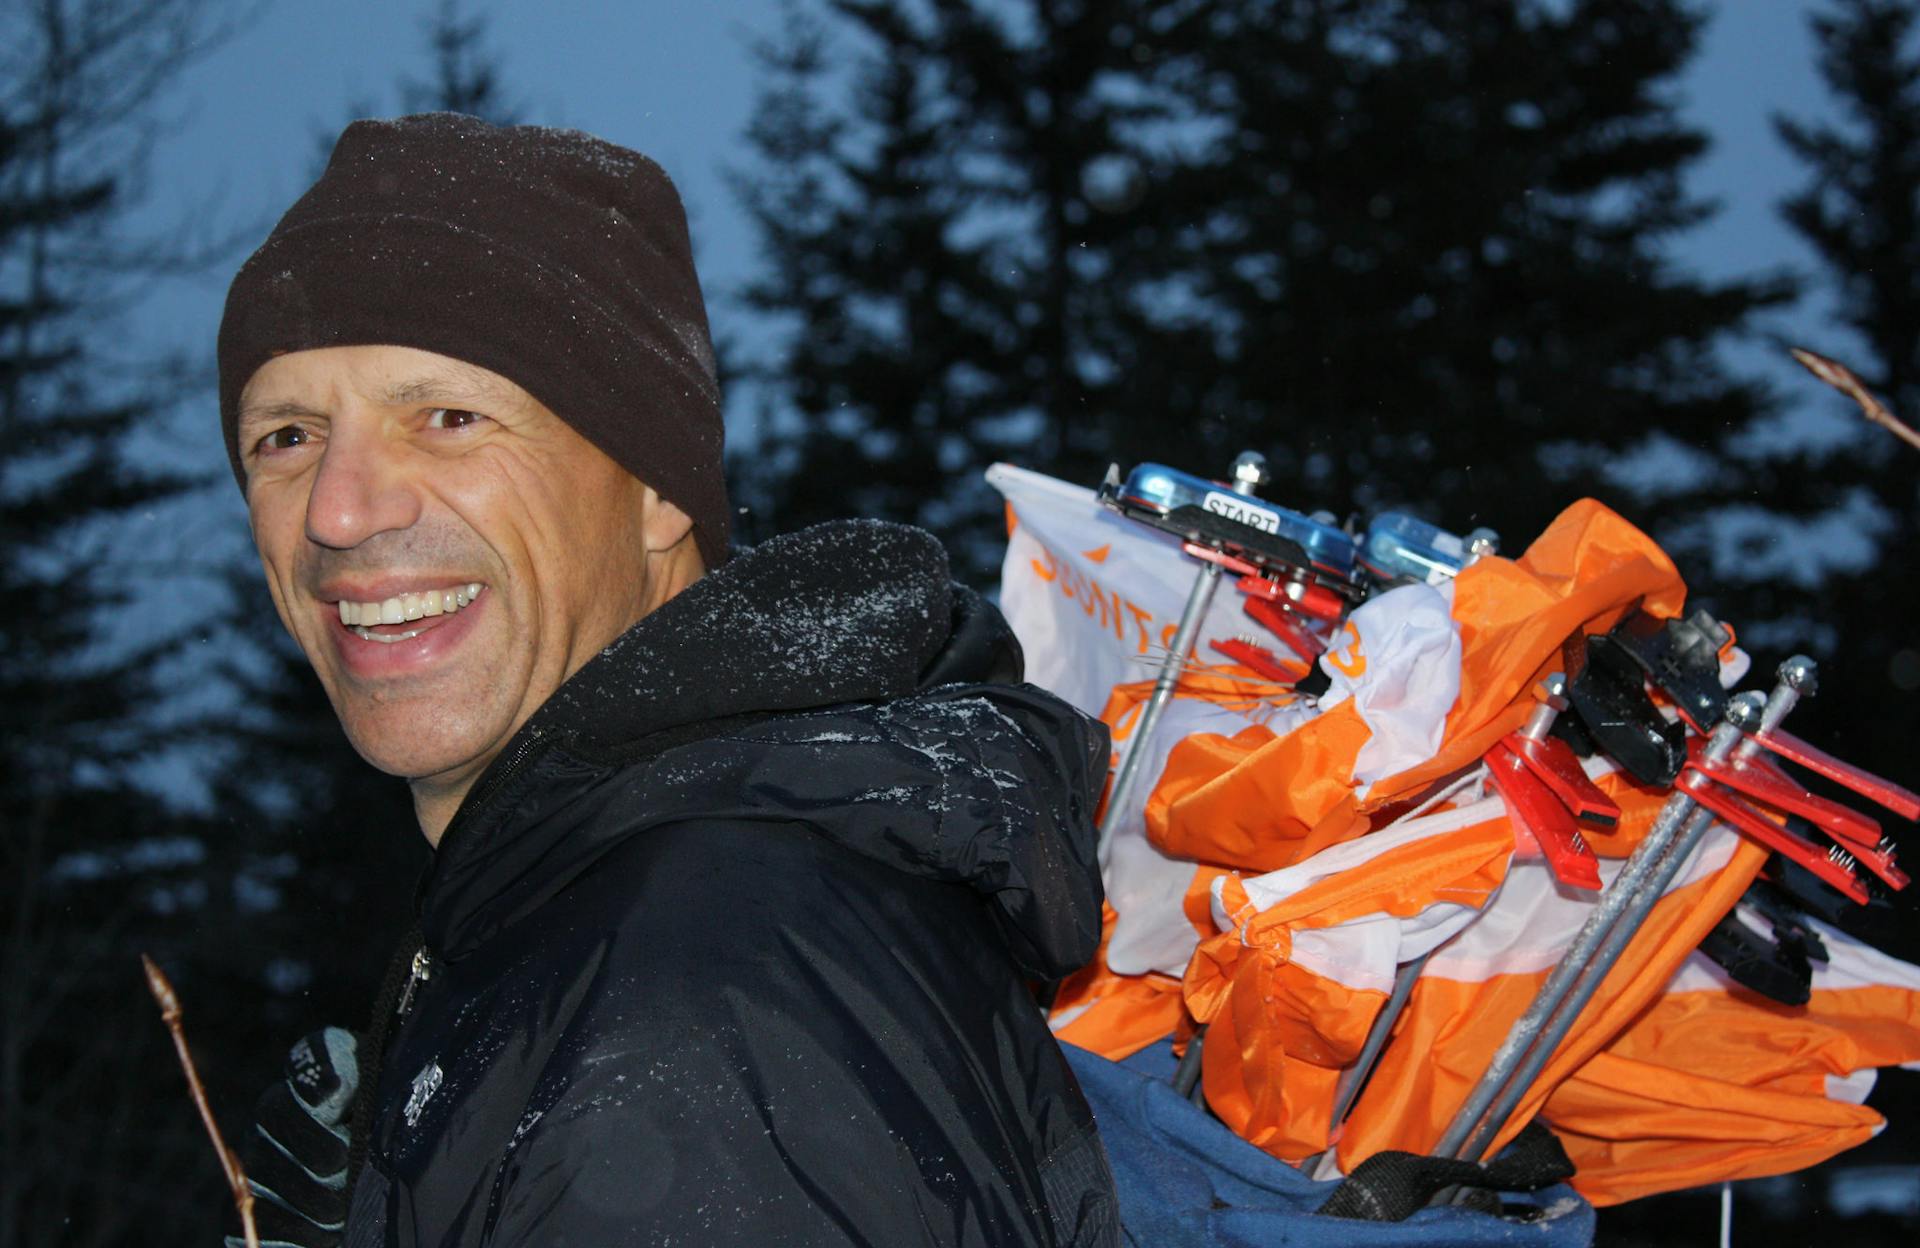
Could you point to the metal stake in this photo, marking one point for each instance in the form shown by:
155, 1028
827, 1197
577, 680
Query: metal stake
1199, 598
1354, 1078
1613, 902
1249, 473
1744, 716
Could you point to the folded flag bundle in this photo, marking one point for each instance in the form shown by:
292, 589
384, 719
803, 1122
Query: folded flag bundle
1375, 863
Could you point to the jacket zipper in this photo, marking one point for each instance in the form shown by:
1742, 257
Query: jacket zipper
497, 778
422, 968
421, 972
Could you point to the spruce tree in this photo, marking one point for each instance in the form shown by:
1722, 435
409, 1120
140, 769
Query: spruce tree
92, 867
1416, 253
933, 258
1434, 240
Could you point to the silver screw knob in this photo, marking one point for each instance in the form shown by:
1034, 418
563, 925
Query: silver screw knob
1250, 472
1744, 710
1540, 722
1802, 673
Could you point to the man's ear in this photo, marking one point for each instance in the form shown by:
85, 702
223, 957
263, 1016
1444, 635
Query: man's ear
665, 525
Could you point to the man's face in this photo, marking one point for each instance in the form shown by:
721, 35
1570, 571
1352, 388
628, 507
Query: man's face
388, 483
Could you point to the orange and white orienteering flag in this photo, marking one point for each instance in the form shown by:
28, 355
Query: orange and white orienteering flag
1264, 800
1273, 881
1095, 599
1304, 958
1476, 986
1247, 777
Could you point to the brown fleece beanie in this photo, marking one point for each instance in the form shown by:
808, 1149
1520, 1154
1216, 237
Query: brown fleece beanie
550, 257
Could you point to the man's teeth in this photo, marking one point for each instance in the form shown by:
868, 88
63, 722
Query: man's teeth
367, 634
405, 607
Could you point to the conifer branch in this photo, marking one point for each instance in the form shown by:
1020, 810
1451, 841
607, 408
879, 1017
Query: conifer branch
1843, 379
170, 1014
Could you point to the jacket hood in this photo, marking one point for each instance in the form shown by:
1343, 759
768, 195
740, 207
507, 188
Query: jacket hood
794, 685
850, 611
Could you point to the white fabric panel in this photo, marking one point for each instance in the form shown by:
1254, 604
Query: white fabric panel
1532, 919
1398, 658
1095, 597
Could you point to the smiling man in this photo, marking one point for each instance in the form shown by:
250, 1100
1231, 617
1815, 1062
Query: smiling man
745, 860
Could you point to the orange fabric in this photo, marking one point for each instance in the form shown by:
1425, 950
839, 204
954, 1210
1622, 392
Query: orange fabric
1279, 1034
1451, 1027
1710, 1085
1633, 1129
1261, 802
1257, 801
1757, 1042
1272, 1082
1197, 905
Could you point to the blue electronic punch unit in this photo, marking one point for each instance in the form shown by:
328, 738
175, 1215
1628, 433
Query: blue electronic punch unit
1274, 539
1401, 548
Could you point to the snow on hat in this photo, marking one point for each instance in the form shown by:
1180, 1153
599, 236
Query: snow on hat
550, 257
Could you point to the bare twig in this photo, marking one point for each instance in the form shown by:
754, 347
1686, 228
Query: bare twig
1842, 378
236, 1176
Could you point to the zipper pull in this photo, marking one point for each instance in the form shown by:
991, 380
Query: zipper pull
422, 971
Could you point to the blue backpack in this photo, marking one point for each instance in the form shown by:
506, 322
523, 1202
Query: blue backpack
1185, 1179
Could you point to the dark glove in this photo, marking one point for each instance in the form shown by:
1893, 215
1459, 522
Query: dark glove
296, 1156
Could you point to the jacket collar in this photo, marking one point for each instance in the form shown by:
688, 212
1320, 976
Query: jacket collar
850, 611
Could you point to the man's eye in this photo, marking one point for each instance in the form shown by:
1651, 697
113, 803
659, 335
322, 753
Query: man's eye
283, 439
452, 418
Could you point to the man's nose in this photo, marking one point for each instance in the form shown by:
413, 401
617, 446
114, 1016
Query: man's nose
359, 490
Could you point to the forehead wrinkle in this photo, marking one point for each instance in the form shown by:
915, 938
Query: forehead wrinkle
461, 380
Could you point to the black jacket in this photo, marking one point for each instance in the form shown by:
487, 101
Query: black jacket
732, 943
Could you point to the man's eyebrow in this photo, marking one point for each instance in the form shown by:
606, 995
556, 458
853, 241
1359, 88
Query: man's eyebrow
280, 409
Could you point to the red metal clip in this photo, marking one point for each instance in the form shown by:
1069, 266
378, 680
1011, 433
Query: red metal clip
1262, 661
1882, 792
1555, 763
1538, 811
1279, 621
1760, 778
1834, 865
1313, 599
